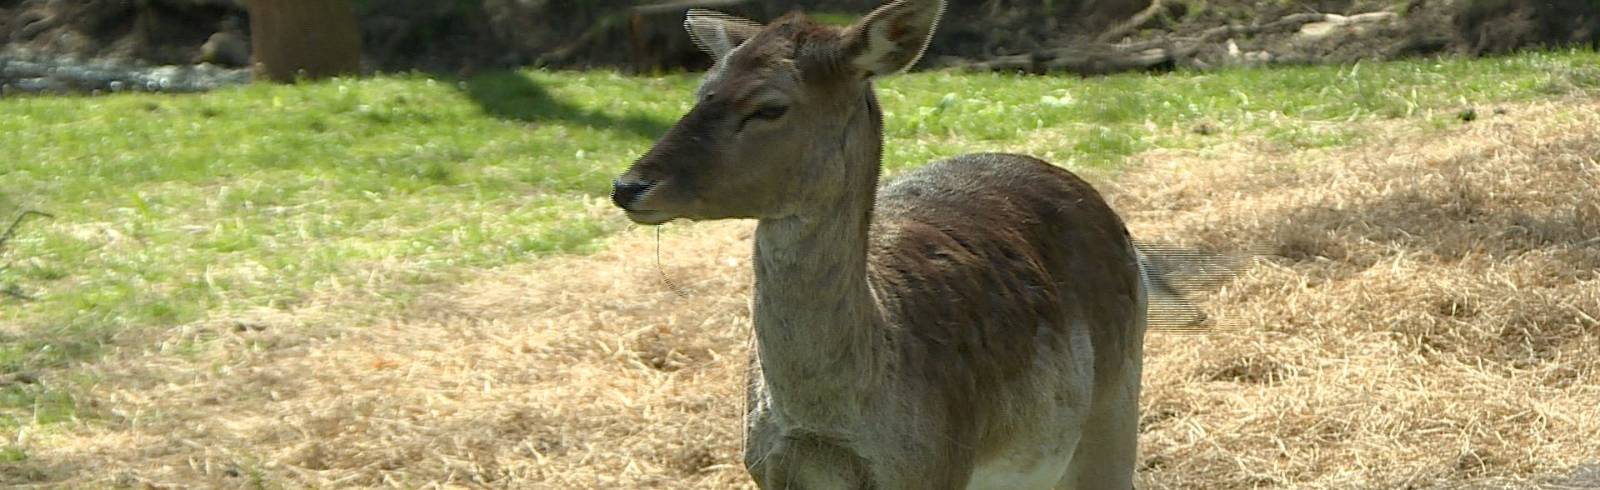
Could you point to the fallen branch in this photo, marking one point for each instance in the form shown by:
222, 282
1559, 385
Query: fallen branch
11, 289
1132, 23
1283, 24
1101, 56
1095, 59
12, 230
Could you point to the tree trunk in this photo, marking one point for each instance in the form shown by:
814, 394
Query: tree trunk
293, 39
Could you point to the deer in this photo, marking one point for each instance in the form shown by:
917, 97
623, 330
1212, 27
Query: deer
977, 323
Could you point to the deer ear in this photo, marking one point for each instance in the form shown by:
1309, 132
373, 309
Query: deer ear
893, 37
717, 33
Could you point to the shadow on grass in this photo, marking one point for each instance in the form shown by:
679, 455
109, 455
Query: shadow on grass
514, 96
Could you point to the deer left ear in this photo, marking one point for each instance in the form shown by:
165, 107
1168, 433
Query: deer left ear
892, 38
717, 33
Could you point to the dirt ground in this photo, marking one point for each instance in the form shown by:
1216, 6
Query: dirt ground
1429, 321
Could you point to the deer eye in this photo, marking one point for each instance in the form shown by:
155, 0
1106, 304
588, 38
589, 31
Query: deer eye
770, 112
765, 113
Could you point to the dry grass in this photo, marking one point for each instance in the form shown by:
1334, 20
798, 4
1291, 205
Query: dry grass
1431, 323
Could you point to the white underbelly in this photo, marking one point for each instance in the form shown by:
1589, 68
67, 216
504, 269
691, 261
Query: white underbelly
1020, 473
1039, 458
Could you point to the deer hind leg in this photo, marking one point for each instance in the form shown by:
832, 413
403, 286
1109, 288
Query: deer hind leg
1108, 452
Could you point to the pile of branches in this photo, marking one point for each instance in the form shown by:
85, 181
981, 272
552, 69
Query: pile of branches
1104, 54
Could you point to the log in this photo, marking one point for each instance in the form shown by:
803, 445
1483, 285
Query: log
1098, 59
291, 39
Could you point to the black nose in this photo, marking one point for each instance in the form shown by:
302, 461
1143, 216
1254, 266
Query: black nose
624, 193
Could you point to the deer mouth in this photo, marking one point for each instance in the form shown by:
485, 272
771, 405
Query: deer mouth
649, 216
634, 196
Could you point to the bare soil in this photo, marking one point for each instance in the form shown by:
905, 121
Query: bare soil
1429, 320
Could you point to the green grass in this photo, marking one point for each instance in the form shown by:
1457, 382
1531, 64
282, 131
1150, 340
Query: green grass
169, 208
1097, 122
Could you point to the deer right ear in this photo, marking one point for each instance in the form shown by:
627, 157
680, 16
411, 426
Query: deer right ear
893, 37
717, 33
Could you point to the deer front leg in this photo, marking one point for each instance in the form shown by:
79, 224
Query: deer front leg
807, 462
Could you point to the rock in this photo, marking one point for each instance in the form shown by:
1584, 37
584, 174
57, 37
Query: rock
226, 48
59, 75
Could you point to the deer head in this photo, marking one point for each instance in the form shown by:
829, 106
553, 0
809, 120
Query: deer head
784, 124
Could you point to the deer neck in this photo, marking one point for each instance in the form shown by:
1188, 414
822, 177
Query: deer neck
817, 325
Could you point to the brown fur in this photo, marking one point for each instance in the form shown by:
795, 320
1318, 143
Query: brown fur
984, 310
1030, 242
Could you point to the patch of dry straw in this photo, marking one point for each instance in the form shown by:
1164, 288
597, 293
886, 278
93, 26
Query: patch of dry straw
1431, 323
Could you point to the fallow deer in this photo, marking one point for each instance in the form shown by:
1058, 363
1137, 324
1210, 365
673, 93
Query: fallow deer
978, 323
